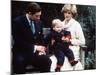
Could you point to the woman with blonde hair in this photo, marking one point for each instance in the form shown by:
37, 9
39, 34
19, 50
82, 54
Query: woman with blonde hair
77, 37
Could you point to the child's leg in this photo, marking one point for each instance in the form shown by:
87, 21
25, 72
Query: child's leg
60, 60
68, 52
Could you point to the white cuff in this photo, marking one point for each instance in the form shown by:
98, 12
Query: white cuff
35, 47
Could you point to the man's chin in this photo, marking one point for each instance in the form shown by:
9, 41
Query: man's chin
37, 20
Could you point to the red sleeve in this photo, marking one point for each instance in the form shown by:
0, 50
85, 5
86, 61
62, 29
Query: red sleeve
68, 36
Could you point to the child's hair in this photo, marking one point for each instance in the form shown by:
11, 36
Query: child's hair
55, 21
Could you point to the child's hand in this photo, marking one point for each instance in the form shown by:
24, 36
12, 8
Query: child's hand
65, 39
52, 41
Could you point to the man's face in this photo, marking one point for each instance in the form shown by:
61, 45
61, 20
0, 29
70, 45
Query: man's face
36, 16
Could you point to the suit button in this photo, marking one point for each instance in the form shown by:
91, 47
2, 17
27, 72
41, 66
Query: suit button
34, 37
39, 32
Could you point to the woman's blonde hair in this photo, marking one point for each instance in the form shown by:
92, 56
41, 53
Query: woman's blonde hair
69, 7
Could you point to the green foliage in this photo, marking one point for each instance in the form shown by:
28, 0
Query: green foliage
90, 61
87, 18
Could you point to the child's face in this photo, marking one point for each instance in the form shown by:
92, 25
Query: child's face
58, 27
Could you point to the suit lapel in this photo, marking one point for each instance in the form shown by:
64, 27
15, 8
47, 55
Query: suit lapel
36, 24
26, 24
37, 27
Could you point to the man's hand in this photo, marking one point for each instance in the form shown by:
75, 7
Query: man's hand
40, 48
42, 53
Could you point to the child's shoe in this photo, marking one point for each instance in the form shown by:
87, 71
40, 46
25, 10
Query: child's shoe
57, 70
73, 63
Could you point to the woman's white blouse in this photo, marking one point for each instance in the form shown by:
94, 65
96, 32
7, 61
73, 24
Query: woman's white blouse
77, 37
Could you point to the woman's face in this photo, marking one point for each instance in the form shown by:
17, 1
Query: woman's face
68, 15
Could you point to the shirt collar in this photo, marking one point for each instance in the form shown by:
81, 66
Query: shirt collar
27, 16
68, 24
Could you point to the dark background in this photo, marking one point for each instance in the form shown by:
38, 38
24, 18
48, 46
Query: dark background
86, 16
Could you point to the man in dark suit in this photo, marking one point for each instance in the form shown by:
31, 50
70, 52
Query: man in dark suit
28, 40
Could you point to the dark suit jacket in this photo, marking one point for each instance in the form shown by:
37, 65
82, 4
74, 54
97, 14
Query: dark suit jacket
24, 39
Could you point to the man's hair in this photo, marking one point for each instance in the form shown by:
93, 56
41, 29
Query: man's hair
33, 8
